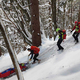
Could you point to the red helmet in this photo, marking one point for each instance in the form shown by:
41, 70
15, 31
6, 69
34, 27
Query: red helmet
76, 22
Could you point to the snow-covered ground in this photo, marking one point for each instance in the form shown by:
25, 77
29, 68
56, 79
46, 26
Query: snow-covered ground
55, 65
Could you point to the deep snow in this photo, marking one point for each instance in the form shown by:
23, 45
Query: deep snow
55, 65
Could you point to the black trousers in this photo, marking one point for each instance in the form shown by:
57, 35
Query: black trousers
75, 35
59, 44
35, 57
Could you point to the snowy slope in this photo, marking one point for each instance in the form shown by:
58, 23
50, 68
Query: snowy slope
54, 65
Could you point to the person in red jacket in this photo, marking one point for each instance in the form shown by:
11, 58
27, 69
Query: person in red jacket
34, 52
77, 31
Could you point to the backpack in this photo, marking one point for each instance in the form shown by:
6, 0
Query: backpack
64, 34
35, 49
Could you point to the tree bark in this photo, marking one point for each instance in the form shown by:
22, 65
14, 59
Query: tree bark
54, 16
36, 35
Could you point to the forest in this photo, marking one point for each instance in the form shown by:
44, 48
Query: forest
22, 26
27, 22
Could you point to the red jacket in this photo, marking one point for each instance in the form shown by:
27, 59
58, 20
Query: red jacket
76, 28
35, 49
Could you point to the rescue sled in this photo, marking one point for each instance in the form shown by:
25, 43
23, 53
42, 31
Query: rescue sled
11, 71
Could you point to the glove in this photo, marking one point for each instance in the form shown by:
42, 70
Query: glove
29, 59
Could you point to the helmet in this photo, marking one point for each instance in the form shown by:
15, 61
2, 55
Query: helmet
57, 29
76, 22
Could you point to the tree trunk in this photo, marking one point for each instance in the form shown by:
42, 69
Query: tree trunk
58, 6
12, 54
50, 24
28, 3
36, 36
79, 15
64, 16
54, 16
71, 12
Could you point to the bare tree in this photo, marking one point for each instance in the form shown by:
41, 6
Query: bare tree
18, 16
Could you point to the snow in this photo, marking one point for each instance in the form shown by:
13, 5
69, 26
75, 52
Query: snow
0, 0
55, 65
